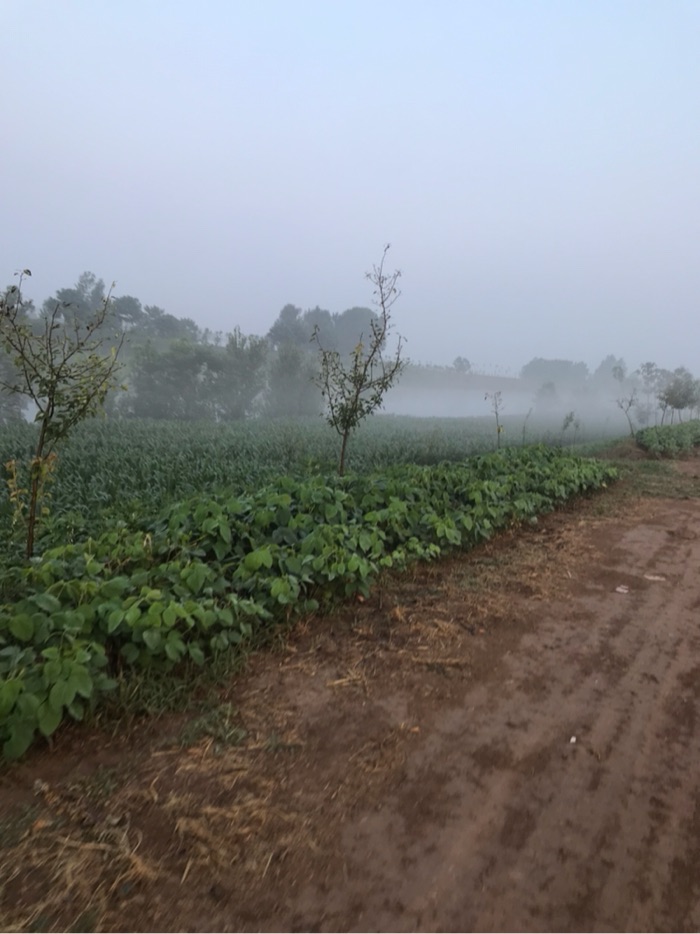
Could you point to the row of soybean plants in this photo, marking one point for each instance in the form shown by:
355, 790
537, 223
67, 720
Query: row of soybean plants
670, 440
216, 571
119, 469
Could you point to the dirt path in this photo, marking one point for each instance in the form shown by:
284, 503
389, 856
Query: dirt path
562, 791
506, 741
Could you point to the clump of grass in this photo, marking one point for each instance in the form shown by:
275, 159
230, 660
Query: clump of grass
218, 724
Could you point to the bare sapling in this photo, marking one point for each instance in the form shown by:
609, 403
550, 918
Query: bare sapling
626, 403
497, 407
354, 387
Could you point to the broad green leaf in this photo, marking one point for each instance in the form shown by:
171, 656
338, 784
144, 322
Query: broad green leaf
195, 576
22, 627
46, 602
28, 705
80, 681
60, 694
114, 620
170, 615
48, 718
132, 615
9, 692
20, 739
261, 557
174, 648
152, 638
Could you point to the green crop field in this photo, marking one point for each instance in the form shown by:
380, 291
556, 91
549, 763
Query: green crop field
169, 545
126, 469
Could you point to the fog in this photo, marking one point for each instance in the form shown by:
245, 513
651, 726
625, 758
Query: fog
534, 165
576, 415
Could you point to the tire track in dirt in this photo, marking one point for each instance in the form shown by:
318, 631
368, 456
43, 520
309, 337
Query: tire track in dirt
502, 822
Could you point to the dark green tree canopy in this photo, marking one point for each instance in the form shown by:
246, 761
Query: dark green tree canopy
682, 391
192, 381
611, 370
340, 332
559, 372
291, 390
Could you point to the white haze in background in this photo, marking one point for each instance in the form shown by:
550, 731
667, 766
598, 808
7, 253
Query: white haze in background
534, 165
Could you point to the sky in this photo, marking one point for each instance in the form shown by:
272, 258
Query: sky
534, 164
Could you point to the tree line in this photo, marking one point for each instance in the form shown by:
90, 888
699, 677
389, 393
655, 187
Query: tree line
173, 369
648, 395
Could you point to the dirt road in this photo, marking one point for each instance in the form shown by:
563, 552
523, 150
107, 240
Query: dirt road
562, 791
506, 741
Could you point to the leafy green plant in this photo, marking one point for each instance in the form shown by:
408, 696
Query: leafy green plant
670, 440
215, 572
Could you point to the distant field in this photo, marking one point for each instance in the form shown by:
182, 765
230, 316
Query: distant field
123, 469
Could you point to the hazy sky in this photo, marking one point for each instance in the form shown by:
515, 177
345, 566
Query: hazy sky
535, 165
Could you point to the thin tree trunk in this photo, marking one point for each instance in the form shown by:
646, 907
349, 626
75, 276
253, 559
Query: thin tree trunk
34, 489
343, 446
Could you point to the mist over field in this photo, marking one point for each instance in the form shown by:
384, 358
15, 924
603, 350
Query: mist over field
534, 166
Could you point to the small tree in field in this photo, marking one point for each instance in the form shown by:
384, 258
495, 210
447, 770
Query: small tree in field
496, 407
354, 387
626, 401
680, 392
60, 365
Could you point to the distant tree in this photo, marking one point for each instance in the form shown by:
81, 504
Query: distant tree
289, 329
339, 332
83, 298
560, 373
127, 312
63, 366
695, 408
654, 380
619, 372
546, 396
354, 388
319, 324
349, 326
679, 393
611, 370
172, 383
159, 326
10, 402
192, 381
648, 376
462, 365
243, 377
291, 389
